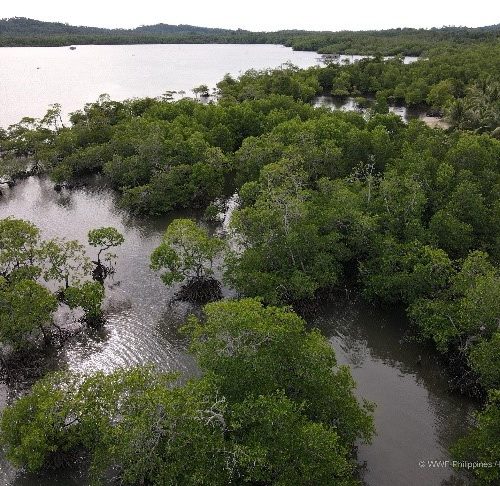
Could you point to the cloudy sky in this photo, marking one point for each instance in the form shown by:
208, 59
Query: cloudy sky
261, 14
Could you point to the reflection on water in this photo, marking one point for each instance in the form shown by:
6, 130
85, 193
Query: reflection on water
416, 417
406, 114
140, 317
34, 77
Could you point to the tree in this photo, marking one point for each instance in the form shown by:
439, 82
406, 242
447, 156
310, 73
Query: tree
53, 118
168, 95
201, 90
273, 439
270, 232
416, 92
451, 234
441, 95
27, 263
253, 350
463, 315
104, 239
25, 307
19, 248
154, 430
381, 106
89, 296
341, 85
294, 241
188, 252
405, 272
481, 444
65, 261
485, 360
401, 201
39, 427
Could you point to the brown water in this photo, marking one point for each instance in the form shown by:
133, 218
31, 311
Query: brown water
416, 417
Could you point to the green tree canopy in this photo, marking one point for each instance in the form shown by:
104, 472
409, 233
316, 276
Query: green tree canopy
187, 251
152, 429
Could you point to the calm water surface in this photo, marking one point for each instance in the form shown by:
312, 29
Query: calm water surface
416, 417
31, 78
405, 113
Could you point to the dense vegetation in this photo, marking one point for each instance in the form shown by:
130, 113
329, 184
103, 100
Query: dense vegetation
188, 254
272, 407
407, 214
37, 277
482, 445
410, 42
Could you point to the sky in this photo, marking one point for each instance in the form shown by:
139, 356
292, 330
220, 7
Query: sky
260, 15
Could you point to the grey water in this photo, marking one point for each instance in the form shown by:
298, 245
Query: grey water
32, 78
405, 113
417, 418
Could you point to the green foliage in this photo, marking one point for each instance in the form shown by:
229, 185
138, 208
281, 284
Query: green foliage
66, 261
485, 360
406, 272
30, 268
451, 234
201, 90
441, 94
252, 350
481, 444
341, 85
288, 80
19, 31
164, 155
25, 307
186, 252
19, 244
326, 199
295, 241
479, 109
89, 296
274, 440
467, 308
153, 430
41, 425
104, 239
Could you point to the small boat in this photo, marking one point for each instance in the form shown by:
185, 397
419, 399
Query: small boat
72, 48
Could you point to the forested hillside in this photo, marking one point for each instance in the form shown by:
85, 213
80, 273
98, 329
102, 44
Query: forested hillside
411, 42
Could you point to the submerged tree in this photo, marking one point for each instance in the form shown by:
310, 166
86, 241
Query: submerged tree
295, 421
66, 261
30, 268
188, 253
89, 297
25, 307
104, 239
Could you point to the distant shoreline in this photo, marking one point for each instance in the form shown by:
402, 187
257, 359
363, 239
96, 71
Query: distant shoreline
22, 32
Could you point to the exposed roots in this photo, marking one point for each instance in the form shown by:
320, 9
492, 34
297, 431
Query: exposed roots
200, 290
462, 378
100, 272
